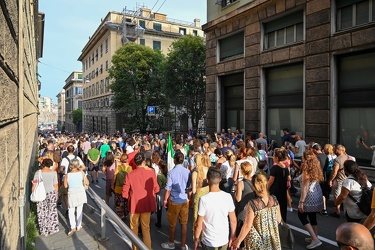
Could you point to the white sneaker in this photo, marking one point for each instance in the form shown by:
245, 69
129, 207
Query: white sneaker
167, 245
185, 247
308, 240
314, 244
290, 209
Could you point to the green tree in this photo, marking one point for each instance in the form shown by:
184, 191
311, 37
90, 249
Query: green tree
137, 83
185, 69
77, 116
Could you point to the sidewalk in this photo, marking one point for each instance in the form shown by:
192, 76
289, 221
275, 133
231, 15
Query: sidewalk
87, 238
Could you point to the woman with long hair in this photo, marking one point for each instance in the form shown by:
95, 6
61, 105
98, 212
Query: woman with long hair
244, 193
311, 199
279, 176
162, 182
122, 169
109, 166
260, 229
48, 220
242, 156
227, 171
352, 189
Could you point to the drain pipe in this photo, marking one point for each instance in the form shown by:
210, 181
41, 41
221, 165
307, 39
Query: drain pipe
21, 155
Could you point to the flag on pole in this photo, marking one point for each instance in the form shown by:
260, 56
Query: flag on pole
170, 153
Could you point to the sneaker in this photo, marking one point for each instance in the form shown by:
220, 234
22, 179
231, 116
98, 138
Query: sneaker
324, 212
333, 214
308, 240
290, 209
185, 247
79, 228
167, 245
314, 244
72, 232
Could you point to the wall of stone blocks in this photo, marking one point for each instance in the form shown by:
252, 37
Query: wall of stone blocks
316, 52
19, 95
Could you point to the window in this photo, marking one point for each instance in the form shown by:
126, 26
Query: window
92, 59
232, 101
101, 68
106, 45
86, 63
106, 65
96, 55
157, 26
351, 13
356, 103
182, 31
195, 32
283, 31
101, 50
142, 23
106, 84
284, 100
225, 2
101, 86
156, 45
78, 90
97, 88
142, 41
80, 105
232, 46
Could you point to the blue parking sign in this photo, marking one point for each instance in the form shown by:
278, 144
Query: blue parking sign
151, 110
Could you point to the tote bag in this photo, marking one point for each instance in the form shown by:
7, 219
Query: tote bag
39, 193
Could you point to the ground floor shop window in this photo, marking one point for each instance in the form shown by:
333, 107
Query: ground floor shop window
356, 104
284, 100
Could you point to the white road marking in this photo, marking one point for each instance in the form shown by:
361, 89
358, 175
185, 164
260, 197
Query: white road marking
331, 242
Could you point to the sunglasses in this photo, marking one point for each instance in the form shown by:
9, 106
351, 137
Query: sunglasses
340, 245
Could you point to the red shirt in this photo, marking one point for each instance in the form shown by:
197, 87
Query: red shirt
140, 189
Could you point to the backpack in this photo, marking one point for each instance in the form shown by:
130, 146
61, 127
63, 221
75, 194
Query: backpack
120, 177
364, 204
68, 170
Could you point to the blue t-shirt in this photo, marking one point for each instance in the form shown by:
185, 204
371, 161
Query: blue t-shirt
177, 181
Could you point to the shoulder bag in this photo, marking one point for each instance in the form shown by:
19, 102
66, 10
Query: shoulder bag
39, 193
286, 235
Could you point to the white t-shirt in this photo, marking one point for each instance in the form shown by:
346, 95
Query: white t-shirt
226, 171
129, 149
354, 190
65, 162
215, 207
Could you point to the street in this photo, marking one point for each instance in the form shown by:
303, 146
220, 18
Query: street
327, 225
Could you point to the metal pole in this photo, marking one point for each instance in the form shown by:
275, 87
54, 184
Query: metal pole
103, 225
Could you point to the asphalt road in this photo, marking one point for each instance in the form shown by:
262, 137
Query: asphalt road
326, 225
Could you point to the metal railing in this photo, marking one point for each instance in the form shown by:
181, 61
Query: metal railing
107, 211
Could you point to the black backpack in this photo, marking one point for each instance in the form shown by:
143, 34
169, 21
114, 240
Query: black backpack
364, 204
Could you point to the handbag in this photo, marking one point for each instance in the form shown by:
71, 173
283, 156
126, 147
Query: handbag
286, 235
39, 193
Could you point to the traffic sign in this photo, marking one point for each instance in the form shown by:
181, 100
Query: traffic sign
151, 111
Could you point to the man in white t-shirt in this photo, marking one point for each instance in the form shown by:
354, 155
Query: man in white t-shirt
214, 209
300, 147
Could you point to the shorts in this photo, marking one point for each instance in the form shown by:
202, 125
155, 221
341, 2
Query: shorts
178, 211
336, 188
108, 188
92, 167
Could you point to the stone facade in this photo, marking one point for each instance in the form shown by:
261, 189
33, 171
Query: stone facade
316, 52
20, 47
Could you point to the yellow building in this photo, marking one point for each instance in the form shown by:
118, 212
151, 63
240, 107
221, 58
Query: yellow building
144, 27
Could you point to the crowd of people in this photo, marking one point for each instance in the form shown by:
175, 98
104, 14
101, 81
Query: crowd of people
229, 175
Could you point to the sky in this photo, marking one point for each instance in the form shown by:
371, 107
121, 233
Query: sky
68, 25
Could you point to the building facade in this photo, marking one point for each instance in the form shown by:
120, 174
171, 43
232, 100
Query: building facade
47, 118
143, 27
303, 65
21, 44
61, 110
73, 99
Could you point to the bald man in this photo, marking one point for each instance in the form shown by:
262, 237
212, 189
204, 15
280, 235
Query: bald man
352, 235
